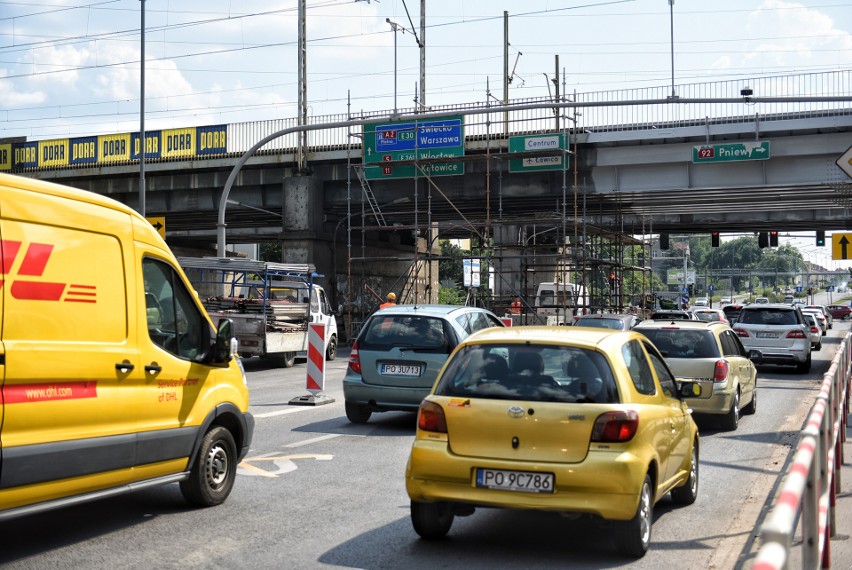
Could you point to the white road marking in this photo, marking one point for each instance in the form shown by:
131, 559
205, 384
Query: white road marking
314, 440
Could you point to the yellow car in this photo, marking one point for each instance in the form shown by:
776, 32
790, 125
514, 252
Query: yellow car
582, 421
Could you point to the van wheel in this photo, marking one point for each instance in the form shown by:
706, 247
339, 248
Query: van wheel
214, 470
635, 536
331, 349
431, 520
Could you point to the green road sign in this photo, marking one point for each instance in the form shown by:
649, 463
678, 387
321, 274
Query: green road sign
389, 171
730, 152
538, 143
390, 142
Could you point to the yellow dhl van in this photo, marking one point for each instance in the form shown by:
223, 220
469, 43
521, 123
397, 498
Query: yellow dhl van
113, 378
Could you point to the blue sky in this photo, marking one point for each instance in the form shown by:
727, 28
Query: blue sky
71, 67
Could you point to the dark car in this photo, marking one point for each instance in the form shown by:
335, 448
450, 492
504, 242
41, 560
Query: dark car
732, 312
840, 312
615, 322
672, 315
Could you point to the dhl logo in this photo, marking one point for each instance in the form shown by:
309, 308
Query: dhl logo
32, 265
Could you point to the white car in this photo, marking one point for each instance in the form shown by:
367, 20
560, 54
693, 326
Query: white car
816, 330
762, 300
725, 301
779, 332
702, 302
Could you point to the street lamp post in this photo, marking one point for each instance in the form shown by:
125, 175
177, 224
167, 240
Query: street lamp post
395, 26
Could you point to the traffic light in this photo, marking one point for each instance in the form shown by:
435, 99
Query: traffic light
773, 239
820, 238
762, 240
691, 290
714, 239
664, 241
612, 280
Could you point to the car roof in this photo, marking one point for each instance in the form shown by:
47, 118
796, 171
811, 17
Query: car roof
573, 336
429, 310
663, 324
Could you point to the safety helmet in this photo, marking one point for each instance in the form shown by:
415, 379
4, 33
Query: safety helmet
392, 296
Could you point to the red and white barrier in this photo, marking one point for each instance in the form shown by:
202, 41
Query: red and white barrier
316, 358
813, 478
316, 369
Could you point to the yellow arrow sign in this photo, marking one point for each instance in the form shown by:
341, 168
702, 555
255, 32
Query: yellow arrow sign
841, 246
159, 225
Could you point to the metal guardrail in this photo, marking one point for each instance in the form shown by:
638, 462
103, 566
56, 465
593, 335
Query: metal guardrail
812, 481
605, 118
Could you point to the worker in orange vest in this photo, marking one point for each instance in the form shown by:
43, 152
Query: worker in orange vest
515, 307
390, 301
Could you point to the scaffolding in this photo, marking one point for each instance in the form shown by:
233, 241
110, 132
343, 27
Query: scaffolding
518, 252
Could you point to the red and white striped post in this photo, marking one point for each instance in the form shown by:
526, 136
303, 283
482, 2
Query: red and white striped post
316, 358
316, 369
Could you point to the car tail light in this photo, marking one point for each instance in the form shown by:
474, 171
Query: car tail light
616, 427
814, 329
720, 372
741, 333
431, 417
796, 334
354, 359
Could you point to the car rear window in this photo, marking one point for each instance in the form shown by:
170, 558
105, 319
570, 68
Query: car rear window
426, 334
542, 373
614, 324
768, 316
683, 343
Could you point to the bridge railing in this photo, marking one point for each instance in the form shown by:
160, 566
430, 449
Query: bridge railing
607, 117
812, 481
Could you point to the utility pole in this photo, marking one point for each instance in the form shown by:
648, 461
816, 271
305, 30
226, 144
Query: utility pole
142, 118
301, 157
506, 71
423, 54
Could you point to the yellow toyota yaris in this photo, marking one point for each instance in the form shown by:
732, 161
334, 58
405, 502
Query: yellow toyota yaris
585, 421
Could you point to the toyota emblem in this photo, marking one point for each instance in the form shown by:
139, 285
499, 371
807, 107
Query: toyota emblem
516, 412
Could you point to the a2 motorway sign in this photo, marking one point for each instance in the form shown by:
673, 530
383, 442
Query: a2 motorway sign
390, 142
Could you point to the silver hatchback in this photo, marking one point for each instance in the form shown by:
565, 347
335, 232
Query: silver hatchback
778, 331
398, 354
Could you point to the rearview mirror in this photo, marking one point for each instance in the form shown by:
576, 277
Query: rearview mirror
755, 356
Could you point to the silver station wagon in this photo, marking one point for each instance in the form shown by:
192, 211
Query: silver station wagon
398, 354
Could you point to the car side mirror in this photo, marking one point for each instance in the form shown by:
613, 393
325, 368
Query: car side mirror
755, 356
689, 390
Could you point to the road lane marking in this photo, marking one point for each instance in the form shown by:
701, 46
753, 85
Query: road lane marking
314, 440
292, 410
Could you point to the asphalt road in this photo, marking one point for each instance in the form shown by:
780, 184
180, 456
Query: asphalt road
317, 491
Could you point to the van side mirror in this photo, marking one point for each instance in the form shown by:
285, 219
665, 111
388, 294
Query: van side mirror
226, 345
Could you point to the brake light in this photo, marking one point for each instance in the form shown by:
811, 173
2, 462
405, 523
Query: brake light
741, 333
720, 372
354, 359
815, 330
796, 334
431, 417
616, 427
